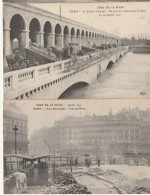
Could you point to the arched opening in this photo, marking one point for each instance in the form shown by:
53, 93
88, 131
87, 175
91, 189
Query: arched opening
110, 65
86, 40
72, 35
120, 56
34, 33
78, 36
95, 39
66, 36
89, 41
17, 27
103, 39
58, 37
86, 34
82, 37
100, 38
70, 92
47, 34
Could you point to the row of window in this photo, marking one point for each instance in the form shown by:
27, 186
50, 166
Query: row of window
15, 122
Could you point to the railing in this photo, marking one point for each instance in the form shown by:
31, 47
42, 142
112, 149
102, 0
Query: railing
43, 71
18, 78
25, 76
7, 82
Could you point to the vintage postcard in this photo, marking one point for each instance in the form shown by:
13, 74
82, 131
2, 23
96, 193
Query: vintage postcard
77, 146
76, 51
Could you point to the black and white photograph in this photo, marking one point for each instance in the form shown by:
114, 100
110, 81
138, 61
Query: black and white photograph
76, 51
76, 97
77, 146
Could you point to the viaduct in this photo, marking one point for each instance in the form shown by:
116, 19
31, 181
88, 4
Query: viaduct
29, 24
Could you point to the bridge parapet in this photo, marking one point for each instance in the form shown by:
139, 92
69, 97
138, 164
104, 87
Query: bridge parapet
20, 79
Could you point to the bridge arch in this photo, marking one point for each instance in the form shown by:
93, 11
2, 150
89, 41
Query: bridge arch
78, 36
74, 86
86, 34
66, 35
47, 34
110, 65
89, 34
72, 35
82, 38
17, 27
35, 29
98, 39
86, 38
95, 38
58, 36
89, 40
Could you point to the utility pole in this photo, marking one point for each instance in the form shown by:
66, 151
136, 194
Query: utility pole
15, 129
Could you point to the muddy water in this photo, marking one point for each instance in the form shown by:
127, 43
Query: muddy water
128, 78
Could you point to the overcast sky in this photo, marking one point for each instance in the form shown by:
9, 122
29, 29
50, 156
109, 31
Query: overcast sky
45, 118
127, 24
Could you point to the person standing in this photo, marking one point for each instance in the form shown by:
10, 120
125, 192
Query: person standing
35, 174
17, 180
76, 162
23, 182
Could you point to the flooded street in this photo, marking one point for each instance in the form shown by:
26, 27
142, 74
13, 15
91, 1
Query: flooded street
128, 78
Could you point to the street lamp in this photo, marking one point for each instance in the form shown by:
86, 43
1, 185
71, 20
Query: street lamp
15, 129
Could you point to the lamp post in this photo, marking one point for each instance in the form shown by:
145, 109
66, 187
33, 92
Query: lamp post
15, 129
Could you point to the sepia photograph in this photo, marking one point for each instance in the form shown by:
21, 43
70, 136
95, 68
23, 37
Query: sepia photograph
76, 51
77, 146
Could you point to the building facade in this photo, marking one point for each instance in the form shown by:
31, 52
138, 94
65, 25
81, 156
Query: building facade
13, 117
104, 136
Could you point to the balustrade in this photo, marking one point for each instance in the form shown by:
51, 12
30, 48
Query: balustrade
17, 78
7, 82
43, 71
26, 76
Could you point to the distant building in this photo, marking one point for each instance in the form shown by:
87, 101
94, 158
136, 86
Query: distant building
104, 136
45, 140
13, 116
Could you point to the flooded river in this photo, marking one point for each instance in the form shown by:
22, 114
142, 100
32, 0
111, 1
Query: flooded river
128, 78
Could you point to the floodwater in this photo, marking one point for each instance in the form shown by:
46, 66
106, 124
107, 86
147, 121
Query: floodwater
128, 78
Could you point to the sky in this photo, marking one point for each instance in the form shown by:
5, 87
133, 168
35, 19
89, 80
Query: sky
45, 117
133, 18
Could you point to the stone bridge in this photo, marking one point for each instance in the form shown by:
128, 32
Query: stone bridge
57, 77
26, 24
